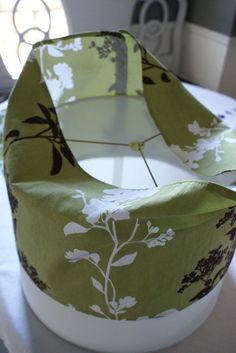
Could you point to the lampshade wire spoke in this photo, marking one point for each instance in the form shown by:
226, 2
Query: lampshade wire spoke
126, 145
152, 137
110, 143
148, 168
99, 142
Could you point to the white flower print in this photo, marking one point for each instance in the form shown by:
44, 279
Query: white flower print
197, 130
96, 308
152, 243
57, 49
122, 304
125, 196
76, 255
112, 205
103, 213
151, 229
59, 77
161, 239
191, 155
76, 45
64, 73
95, 208
55, 87
53, 51
73, 227
59, 80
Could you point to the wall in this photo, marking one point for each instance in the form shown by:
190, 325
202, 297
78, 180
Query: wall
228, 77
155, 11
216, 15
209, 45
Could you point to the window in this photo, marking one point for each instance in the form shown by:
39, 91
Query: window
24, 22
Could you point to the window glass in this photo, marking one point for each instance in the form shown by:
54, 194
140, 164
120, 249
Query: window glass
23, 23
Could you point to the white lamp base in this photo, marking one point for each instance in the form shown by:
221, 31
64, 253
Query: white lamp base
117, 336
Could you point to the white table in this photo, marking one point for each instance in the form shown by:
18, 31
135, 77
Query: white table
22, 332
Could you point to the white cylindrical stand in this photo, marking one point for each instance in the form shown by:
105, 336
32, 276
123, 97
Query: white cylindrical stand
113, 336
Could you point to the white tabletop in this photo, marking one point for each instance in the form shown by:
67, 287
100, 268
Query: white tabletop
22, 332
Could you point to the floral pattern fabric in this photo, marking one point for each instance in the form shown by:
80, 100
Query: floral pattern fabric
103, 214
120, 254
3, 108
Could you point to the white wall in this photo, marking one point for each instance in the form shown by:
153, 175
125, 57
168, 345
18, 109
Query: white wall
207, 59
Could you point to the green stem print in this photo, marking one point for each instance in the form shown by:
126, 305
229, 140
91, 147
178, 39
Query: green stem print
206, 140
52, 133
103, 214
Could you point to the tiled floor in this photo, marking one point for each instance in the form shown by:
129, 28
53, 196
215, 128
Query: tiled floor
2, 347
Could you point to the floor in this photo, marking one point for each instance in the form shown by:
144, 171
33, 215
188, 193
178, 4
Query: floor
2, 347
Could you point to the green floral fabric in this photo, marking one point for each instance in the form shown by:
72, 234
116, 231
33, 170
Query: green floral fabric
3, 108
108, 251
